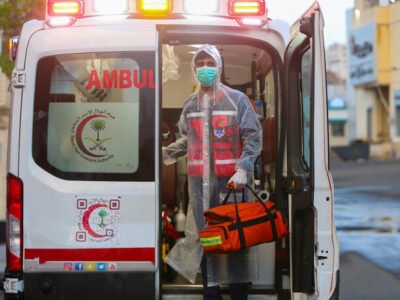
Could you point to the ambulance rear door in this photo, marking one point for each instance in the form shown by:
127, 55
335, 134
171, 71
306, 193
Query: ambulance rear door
313, 242
88, 164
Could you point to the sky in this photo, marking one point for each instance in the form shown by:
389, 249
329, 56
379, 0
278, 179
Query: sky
334, 12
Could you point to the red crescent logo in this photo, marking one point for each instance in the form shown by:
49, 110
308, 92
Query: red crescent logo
85, 220
79, 132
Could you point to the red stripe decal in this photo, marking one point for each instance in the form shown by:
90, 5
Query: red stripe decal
108, 254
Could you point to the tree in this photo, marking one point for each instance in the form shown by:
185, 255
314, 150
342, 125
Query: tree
13, 14
102, 215
98, 125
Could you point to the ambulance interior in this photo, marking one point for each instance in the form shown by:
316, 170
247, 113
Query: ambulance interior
250, 70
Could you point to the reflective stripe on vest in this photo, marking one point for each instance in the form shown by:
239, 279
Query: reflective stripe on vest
195, 115
224, 113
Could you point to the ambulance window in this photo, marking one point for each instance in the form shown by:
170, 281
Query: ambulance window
94, 116
306, 85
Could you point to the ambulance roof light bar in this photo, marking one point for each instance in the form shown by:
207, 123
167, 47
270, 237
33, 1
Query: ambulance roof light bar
245, 12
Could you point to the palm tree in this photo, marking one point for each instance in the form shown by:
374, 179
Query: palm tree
98, 125
102, 214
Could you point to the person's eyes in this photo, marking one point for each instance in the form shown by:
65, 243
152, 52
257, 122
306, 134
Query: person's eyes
200, 64
211, 64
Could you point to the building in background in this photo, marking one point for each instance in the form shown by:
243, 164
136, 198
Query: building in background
336, 65
374, 74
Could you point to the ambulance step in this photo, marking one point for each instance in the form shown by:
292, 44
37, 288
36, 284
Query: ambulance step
224, 297
194, 289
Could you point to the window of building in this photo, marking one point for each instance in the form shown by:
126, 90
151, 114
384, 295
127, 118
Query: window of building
338, 129
369, 122
398, 119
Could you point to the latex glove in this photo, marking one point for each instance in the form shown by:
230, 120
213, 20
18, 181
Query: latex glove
239, 179
165, 157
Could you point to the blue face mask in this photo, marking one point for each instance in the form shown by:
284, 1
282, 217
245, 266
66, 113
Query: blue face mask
206, 76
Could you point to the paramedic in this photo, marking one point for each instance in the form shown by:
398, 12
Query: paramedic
222, 138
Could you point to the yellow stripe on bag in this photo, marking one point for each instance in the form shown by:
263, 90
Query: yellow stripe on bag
211, 244
210, 239
213, 241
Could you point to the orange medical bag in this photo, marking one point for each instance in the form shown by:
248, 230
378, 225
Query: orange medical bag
237, 226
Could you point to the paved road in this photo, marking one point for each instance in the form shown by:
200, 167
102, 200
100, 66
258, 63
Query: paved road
367, 216
368, 173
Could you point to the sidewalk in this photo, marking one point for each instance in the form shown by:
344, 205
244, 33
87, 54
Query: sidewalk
362, 280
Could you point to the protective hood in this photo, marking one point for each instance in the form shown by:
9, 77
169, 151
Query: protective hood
214, 53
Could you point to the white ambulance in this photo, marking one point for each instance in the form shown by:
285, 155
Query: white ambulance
98, 88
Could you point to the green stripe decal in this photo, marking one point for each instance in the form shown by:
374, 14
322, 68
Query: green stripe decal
210, 239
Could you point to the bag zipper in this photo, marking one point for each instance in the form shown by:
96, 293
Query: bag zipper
225, 218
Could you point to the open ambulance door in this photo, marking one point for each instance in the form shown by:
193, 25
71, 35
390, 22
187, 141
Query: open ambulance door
313, 243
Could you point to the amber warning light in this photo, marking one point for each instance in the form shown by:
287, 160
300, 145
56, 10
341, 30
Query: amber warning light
65, 8
247, 8
154, 6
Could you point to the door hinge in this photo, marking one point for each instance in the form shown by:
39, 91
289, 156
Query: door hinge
13, 286
18, 79
307, 26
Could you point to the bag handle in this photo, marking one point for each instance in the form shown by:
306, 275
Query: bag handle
229, 193
243, 200
239, 226
259, 199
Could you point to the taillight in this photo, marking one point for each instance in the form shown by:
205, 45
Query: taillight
65, 8
154, 6
247, 8
14, 223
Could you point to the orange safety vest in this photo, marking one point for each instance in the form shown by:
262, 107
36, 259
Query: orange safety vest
226, 142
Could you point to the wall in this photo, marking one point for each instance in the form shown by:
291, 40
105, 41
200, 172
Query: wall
364, 100
395, 51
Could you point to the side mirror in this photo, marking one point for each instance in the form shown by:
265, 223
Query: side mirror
14, 41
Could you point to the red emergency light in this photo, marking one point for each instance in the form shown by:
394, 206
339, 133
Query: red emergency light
247, 7
65, 8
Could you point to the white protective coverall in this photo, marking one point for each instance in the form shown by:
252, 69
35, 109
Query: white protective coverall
220, 134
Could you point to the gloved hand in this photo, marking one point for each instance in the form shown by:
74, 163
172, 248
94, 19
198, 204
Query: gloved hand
239, 179
165, 157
